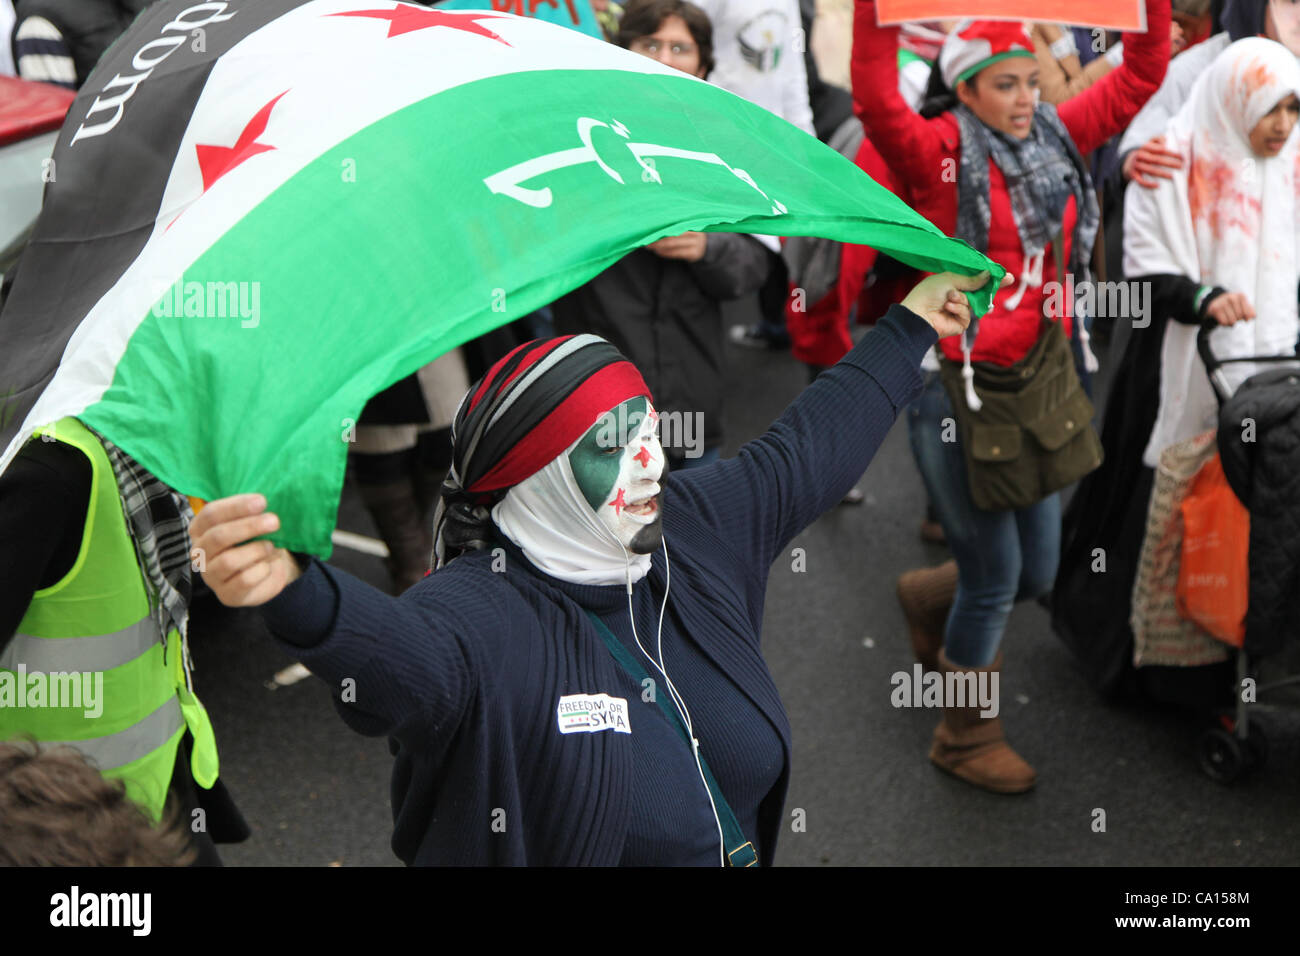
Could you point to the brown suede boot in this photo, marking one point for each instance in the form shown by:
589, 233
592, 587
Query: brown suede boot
973, 748
396, 511
926, 596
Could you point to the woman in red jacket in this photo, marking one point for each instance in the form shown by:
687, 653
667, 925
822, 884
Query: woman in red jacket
1005, 173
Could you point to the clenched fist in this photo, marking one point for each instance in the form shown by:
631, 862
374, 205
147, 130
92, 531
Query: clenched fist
1230, 308
241, 572
939, 299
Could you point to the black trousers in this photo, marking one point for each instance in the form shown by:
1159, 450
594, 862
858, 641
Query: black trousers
220, 821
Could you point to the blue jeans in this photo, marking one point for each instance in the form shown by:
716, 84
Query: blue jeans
1002, 556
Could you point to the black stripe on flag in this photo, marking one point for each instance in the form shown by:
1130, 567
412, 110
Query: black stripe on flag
109, 177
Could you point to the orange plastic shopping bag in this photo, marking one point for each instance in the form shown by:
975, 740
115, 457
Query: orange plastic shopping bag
1214, 574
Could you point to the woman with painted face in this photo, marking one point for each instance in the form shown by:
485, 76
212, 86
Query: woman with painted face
580, 680
997, 168
1219, 239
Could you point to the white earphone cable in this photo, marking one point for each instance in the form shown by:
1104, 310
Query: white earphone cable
676, 698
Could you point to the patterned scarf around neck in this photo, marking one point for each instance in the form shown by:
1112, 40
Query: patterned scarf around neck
1041, 172
159, 521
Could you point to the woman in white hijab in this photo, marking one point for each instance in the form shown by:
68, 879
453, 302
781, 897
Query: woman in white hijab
1227, 223
1218, 240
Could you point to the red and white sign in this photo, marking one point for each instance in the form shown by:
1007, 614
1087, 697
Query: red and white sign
1128, 15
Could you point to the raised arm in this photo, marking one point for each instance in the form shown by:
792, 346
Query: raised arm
905, 140
784, 480
1060, 74
1105, 108
390, 661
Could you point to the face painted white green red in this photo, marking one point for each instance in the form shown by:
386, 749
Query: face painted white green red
618, 465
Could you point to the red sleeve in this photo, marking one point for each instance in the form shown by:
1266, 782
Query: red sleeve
1105, 108
912, 146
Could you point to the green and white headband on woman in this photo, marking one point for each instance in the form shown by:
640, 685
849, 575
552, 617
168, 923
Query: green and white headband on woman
975, 44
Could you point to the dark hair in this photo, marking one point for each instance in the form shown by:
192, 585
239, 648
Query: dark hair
57, 810
643, 17
939, 96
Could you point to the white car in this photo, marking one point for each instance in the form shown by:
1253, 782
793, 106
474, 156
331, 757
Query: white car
30, 117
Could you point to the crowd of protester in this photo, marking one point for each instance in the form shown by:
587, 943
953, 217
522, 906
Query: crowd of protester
1022, 140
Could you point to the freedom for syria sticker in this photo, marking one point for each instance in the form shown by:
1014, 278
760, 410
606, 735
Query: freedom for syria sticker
588, 713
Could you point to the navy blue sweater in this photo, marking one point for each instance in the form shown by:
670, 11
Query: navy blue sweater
464, 672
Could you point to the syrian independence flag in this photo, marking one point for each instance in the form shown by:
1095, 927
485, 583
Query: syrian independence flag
264, 212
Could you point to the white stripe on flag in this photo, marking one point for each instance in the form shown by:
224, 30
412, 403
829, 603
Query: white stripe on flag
337, 85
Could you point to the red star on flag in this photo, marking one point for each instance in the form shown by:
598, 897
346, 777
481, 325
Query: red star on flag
643, 456
216, 161
618, 504
405, 19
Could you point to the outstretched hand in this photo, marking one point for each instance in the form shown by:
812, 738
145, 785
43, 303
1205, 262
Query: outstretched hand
940, 300
240, 572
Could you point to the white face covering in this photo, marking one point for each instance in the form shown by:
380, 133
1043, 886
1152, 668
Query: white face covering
550, 520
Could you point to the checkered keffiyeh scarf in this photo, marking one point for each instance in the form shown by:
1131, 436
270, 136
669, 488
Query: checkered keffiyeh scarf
159, 521
1041, 172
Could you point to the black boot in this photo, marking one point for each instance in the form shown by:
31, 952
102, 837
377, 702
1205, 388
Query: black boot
396, 511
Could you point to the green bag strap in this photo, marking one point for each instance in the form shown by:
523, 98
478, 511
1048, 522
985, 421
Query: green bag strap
741, 852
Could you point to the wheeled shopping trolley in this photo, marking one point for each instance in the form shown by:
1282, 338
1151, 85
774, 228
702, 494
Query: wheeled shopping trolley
1237, 742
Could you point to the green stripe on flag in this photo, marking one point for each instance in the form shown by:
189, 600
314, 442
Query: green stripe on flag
389, 250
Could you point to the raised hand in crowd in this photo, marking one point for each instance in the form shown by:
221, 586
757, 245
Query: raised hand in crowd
241, 572
940, 301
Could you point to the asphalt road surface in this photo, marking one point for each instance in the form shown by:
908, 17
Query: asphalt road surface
862, 790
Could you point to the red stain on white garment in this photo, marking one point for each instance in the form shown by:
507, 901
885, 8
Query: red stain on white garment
1258, 76
1251, 76
1215, 200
